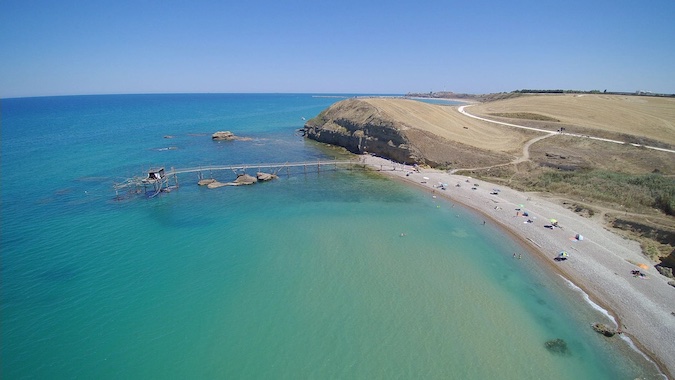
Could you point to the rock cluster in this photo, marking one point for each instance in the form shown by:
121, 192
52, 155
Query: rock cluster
228, 136
223, 135
242, 179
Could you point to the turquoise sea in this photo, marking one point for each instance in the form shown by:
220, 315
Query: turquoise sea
307, 276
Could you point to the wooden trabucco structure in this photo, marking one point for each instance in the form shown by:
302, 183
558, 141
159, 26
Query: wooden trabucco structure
155, 182
157, 179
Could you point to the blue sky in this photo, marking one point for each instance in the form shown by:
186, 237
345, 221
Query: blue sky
352, 46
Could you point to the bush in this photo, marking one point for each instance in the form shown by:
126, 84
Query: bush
668, 272
646, 190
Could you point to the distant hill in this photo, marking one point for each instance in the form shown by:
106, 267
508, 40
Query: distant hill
514, 94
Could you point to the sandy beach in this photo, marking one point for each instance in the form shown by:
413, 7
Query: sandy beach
600, 263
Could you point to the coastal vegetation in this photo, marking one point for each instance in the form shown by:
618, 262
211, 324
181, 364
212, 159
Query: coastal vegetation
634, 192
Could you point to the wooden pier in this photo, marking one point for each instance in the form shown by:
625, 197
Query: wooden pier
159, 180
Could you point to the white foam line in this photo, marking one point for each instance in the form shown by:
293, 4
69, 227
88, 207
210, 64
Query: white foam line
632, 345
623, 337
590, 302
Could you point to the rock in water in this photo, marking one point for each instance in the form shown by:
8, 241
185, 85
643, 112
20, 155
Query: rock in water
265, 176
558, 347
245, 179
215, 185
604, 329
206, 182
223, 135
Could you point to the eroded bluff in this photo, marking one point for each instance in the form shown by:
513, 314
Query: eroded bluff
360, 128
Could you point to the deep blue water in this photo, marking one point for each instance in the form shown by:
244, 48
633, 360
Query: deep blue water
307, 276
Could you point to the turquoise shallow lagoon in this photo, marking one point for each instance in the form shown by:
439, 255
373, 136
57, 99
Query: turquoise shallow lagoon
304, 277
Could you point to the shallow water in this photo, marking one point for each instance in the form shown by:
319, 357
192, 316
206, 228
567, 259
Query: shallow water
306, 276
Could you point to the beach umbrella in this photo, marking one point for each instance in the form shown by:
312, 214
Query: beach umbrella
554, 221
425, 177
643, 266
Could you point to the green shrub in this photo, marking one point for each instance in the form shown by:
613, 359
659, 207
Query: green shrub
645, 190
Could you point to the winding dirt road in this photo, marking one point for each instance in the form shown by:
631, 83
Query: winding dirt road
462, 110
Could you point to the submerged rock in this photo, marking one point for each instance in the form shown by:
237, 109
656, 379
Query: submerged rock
558, 347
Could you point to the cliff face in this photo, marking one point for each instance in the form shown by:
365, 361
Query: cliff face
360, 128
400, 130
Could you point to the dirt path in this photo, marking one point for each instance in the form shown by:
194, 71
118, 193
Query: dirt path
526, 148
462, 110
523, 158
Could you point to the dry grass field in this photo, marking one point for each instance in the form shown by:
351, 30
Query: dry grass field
446, 122
649, 117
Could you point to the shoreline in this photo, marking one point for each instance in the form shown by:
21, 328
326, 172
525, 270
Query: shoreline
599, 265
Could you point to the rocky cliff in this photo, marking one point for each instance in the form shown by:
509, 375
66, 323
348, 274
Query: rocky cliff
361, 127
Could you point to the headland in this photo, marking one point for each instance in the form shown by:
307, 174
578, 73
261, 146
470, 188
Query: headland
497, 170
